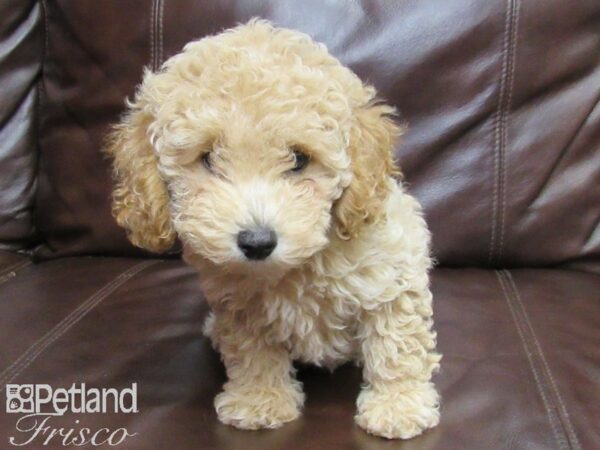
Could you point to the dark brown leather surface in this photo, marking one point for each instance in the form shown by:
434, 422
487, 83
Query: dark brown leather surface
563, 311
501, 98
10, 263
503, 151
519, 370
85, 83
20, 62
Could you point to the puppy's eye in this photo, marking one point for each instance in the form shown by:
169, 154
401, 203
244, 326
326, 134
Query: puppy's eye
206, 161
301, 160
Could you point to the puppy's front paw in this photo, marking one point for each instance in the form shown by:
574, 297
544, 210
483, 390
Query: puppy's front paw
398, 412
255, 407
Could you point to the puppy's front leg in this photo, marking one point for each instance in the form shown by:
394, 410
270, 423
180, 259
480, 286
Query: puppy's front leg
398, 350
261, 391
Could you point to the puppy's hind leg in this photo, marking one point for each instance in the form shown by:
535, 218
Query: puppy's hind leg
261, 391
398, 351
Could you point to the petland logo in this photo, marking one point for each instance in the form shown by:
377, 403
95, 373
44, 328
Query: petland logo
40, 403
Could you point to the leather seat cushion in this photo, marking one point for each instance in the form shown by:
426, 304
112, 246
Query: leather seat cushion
521, 364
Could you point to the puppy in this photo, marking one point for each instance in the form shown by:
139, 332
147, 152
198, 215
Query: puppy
273, 165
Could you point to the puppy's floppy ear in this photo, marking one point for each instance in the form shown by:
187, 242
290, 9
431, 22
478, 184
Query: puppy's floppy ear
140, 198
371, 145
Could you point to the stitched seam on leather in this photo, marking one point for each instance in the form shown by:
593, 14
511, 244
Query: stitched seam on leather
561, 408
11, 271
152, 39
41, 91
160, 33
18, 366
15, 266
46, 28
555, 425
496, 121
499, 130
512, 51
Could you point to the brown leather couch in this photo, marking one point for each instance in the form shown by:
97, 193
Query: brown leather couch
502, 99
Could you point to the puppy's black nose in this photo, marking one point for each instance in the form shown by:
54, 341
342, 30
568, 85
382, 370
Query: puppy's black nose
257, 243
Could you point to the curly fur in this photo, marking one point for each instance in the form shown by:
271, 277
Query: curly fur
348, 279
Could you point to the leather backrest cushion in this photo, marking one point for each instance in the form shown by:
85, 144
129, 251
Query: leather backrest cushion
501, 98
20, 62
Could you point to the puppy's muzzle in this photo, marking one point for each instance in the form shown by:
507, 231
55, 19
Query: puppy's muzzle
257, 243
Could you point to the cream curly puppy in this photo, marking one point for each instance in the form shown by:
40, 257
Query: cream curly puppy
273, 164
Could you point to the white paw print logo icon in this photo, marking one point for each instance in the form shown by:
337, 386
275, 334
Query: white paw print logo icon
19, 398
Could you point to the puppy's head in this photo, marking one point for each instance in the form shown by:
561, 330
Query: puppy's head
253, 146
